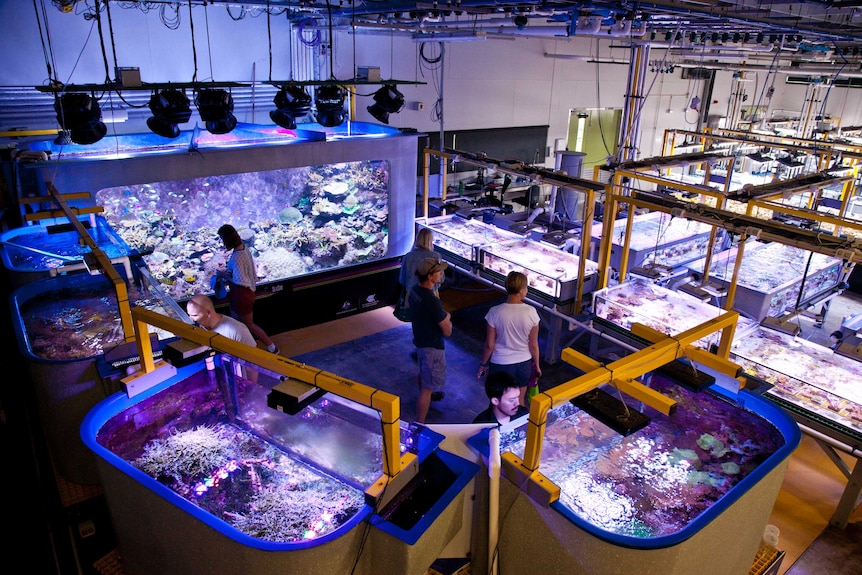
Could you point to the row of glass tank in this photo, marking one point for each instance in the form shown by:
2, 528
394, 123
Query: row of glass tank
204, 471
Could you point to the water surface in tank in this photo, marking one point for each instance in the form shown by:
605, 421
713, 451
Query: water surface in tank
212, 439
81, 321
658, 480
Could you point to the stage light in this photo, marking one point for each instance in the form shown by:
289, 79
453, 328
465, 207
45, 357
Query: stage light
169, 108
387, 100
216, 110
329, 102
292, 102
81, 116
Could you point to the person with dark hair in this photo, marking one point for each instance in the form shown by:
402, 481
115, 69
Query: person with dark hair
837, 338
242, 279
512, 336
431, 324
503, 396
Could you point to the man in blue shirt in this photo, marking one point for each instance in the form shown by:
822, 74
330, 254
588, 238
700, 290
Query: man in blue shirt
431, 324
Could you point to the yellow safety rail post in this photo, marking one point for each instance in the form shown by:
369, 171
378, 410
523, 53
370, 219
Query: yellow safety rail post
389, 405
611, 205
622, 373
102, 261
586, 237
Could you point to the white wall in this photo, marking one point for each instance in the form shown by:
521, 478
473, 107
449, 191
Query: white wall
489, 84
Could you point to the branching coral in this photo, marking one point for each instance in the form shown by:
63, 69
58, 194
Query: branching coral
188, 454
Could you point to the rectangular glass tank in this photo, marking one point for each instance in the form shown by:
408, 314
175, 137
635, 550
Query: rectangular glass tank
459, 239
662, 484
657, 238
805, 377
296, 221
657, 307
552, 273
54, 245
207, 441
771, 277
77, 316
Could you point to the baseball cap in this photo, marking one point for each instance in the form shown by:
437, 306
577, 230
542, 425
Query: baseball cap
429, 265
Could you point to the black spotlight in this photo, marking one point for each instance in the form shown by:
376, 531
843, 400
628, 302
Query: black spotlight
520, 21
169, 108
292, 102
387, 100
329, 101
81, 115
216, 109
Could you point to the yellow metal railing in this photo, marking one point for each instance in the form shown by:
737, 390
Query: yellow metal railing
620, 374
389, 405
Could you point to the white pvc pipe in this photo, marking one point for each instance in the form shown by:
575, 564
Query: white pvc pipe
493, 499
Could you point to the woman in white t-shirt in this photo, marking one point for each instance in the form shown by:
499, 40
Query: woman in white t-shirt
512, 336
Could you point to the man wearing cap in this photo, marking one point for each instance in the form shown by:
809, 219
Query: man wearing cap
431, 324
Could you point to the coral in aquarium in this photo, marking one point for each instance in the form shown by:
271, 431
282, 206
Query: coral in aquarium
187, 453
250, 484
295, 221
81, 322
655, 481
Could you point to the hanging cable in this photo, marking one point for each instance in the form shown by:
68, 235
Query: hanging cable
194, 49
47, 51
111, 33
209, 43
269, 38
102, 44
331, 45
172, 23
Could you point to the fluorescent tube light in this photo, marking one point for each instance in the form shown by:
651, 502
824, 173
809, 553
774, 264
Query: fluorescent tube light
456, 36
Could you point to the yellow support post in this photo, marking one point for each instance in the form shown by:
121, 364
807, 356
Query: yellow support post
103, 261
646, 395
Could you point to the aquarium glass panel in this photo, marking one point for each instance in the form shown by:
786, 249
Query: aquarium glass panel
81, 321
42, 248
658, 480
296, 221
211, 438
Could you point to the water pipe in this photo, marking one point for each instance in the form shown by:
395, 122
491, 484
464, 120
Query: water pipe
40, 252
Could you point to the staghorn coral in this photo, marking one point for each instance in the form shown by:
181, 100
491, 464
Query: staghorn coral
187, 454
292, 510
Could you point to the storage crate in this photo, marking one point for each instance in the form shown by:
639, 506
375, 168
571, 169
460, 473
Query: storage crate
767, 560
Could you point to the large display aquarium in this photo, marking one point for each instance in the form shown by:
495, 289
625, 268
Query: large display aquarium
306, 203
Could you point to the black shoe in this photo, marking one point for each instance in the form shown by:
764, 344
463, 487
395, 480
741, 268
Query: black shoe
437, 395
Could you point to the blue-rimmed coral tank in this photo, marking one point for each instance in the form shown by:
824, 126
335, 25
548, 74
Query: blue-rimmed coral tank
63, 325
202, 476
688, 493
52, 247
